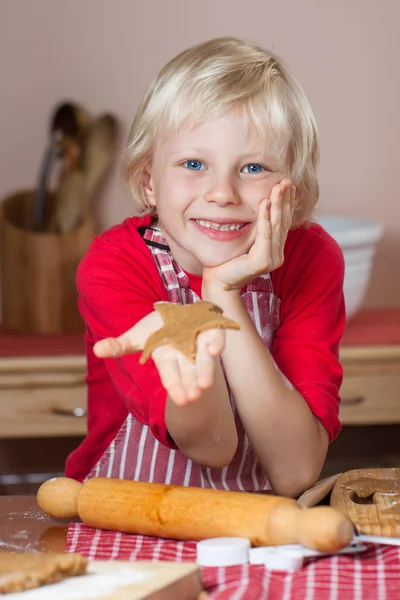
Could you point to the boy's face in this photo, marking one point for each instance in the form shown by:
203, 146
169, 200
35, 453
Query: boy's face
207, 183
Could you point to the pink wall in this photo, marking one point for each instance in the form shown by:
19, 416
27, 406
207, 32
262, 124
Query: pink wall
103, 54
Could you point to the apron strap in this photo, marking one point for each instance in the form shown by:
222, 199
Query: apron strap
142, 230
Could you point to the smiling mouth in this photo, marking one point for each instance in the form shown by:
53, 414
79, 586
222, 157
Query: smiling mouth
220, 226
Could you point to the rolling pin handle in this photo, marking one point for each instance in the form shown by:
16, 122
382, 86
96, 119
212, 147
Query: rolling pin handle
58, 497
321, 528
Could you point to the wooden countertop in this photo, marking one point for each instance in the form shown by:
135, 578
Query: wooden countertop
374, 326
23, 527
20, 345
372, 334
378, 326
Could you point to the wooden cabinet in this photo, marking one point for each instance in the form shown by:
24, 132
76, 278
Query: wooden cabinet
43, 401
42, 407
43, 390
46, 396
371, 385
42, 386
370, 355
42, 396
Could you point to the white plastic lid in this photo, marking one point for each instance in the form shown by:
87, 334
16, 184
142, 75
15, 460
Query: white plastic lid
257, 555
283, 560
223, 552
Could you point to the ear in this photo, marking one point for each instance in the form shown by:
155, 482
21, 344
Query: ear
147, 184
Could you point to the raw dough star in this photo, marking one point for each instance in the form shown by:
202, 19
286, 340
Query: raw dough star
365, 486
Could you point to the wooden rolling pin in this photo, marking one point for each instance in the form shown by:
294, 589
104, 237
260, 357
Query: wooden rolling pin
189, 513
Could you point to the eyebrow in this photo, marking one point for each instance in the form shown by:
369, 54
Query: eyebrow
256, 156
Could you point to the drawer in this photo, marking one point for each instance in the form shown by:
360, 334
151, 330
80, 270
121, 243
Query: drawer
370, 399
43, 412
42, 396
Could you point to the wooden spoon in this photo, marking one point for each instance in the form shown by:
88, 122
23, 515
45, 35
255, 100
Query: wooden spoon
66, 130
78, 187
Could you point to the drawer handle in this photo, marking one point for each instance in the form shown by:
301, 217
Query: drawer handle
353, 401
70, 412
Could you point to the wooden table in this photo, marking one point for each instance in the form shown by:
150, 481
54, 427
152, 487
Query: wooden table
23, 527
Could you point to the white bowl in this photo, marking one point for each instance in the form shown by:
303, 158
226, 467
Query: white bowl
358, 239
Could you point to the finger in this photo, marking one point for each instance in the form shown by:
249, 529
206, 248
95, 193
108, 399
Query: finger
287, 203
132, 340
115, 347
260, 253
263, 234
168, 368
277, 196
205, 362
292, 203
263, 219
214, 339
189, 373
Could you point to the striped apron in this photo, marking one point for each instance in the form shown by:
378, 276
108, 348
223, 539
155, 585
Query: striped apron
137, 455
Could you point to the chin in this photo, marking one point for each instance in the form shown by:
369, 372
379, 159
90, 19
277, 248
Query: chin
212, 261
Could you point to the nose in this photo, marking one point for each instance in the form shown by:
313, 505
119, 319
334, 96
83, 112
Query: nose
222, 191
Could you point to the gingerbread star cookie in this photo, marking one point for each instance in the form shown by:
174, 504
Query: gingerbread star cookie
182, 324
21, 571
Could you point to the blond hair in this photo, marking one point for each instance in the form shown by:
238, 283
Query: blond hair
212, 79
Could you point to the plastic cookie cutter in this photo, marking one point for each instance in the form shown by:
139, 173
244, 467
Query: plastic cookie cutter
229, 551
277, 558
291, 557
375, 539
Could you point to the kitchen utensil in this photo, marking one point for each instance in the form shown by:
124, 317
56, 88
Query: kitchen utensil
257, 556
317, 492
376, 539
67, 216
78, 186
101, 144
371, 498
181, 513
66, 138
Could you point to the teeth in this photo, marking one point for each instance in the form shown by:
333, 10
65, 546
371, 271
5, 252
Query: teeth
225, 227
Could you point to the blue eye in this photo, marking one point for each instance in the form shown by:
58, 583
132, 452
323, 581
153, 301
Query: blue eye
253, 168
193, 165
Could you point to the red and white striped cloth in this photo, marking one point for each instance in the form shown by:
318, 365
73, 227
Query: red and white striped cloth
372, 575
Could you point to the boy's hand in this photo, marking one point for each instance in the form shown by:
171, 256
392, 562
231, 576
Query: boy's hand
183, 380
266, 253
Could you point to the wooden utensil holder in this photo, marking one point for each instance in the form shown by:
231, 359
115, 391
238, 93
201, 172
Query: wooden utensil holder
38, 269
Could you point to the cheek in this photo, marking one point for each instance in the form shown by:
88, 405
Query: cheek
181, 190
254, 193
263, 188
187, 185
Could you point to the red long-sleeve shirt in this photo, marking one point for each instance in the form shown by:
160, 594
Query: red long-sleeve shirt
118, 283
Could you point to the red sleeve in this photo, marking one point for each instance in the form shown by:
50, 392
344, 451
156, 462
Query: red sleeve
306, 346
118, 283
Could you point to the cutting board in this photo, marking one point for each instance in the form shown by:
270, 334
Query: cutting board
371, 498
124, 580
